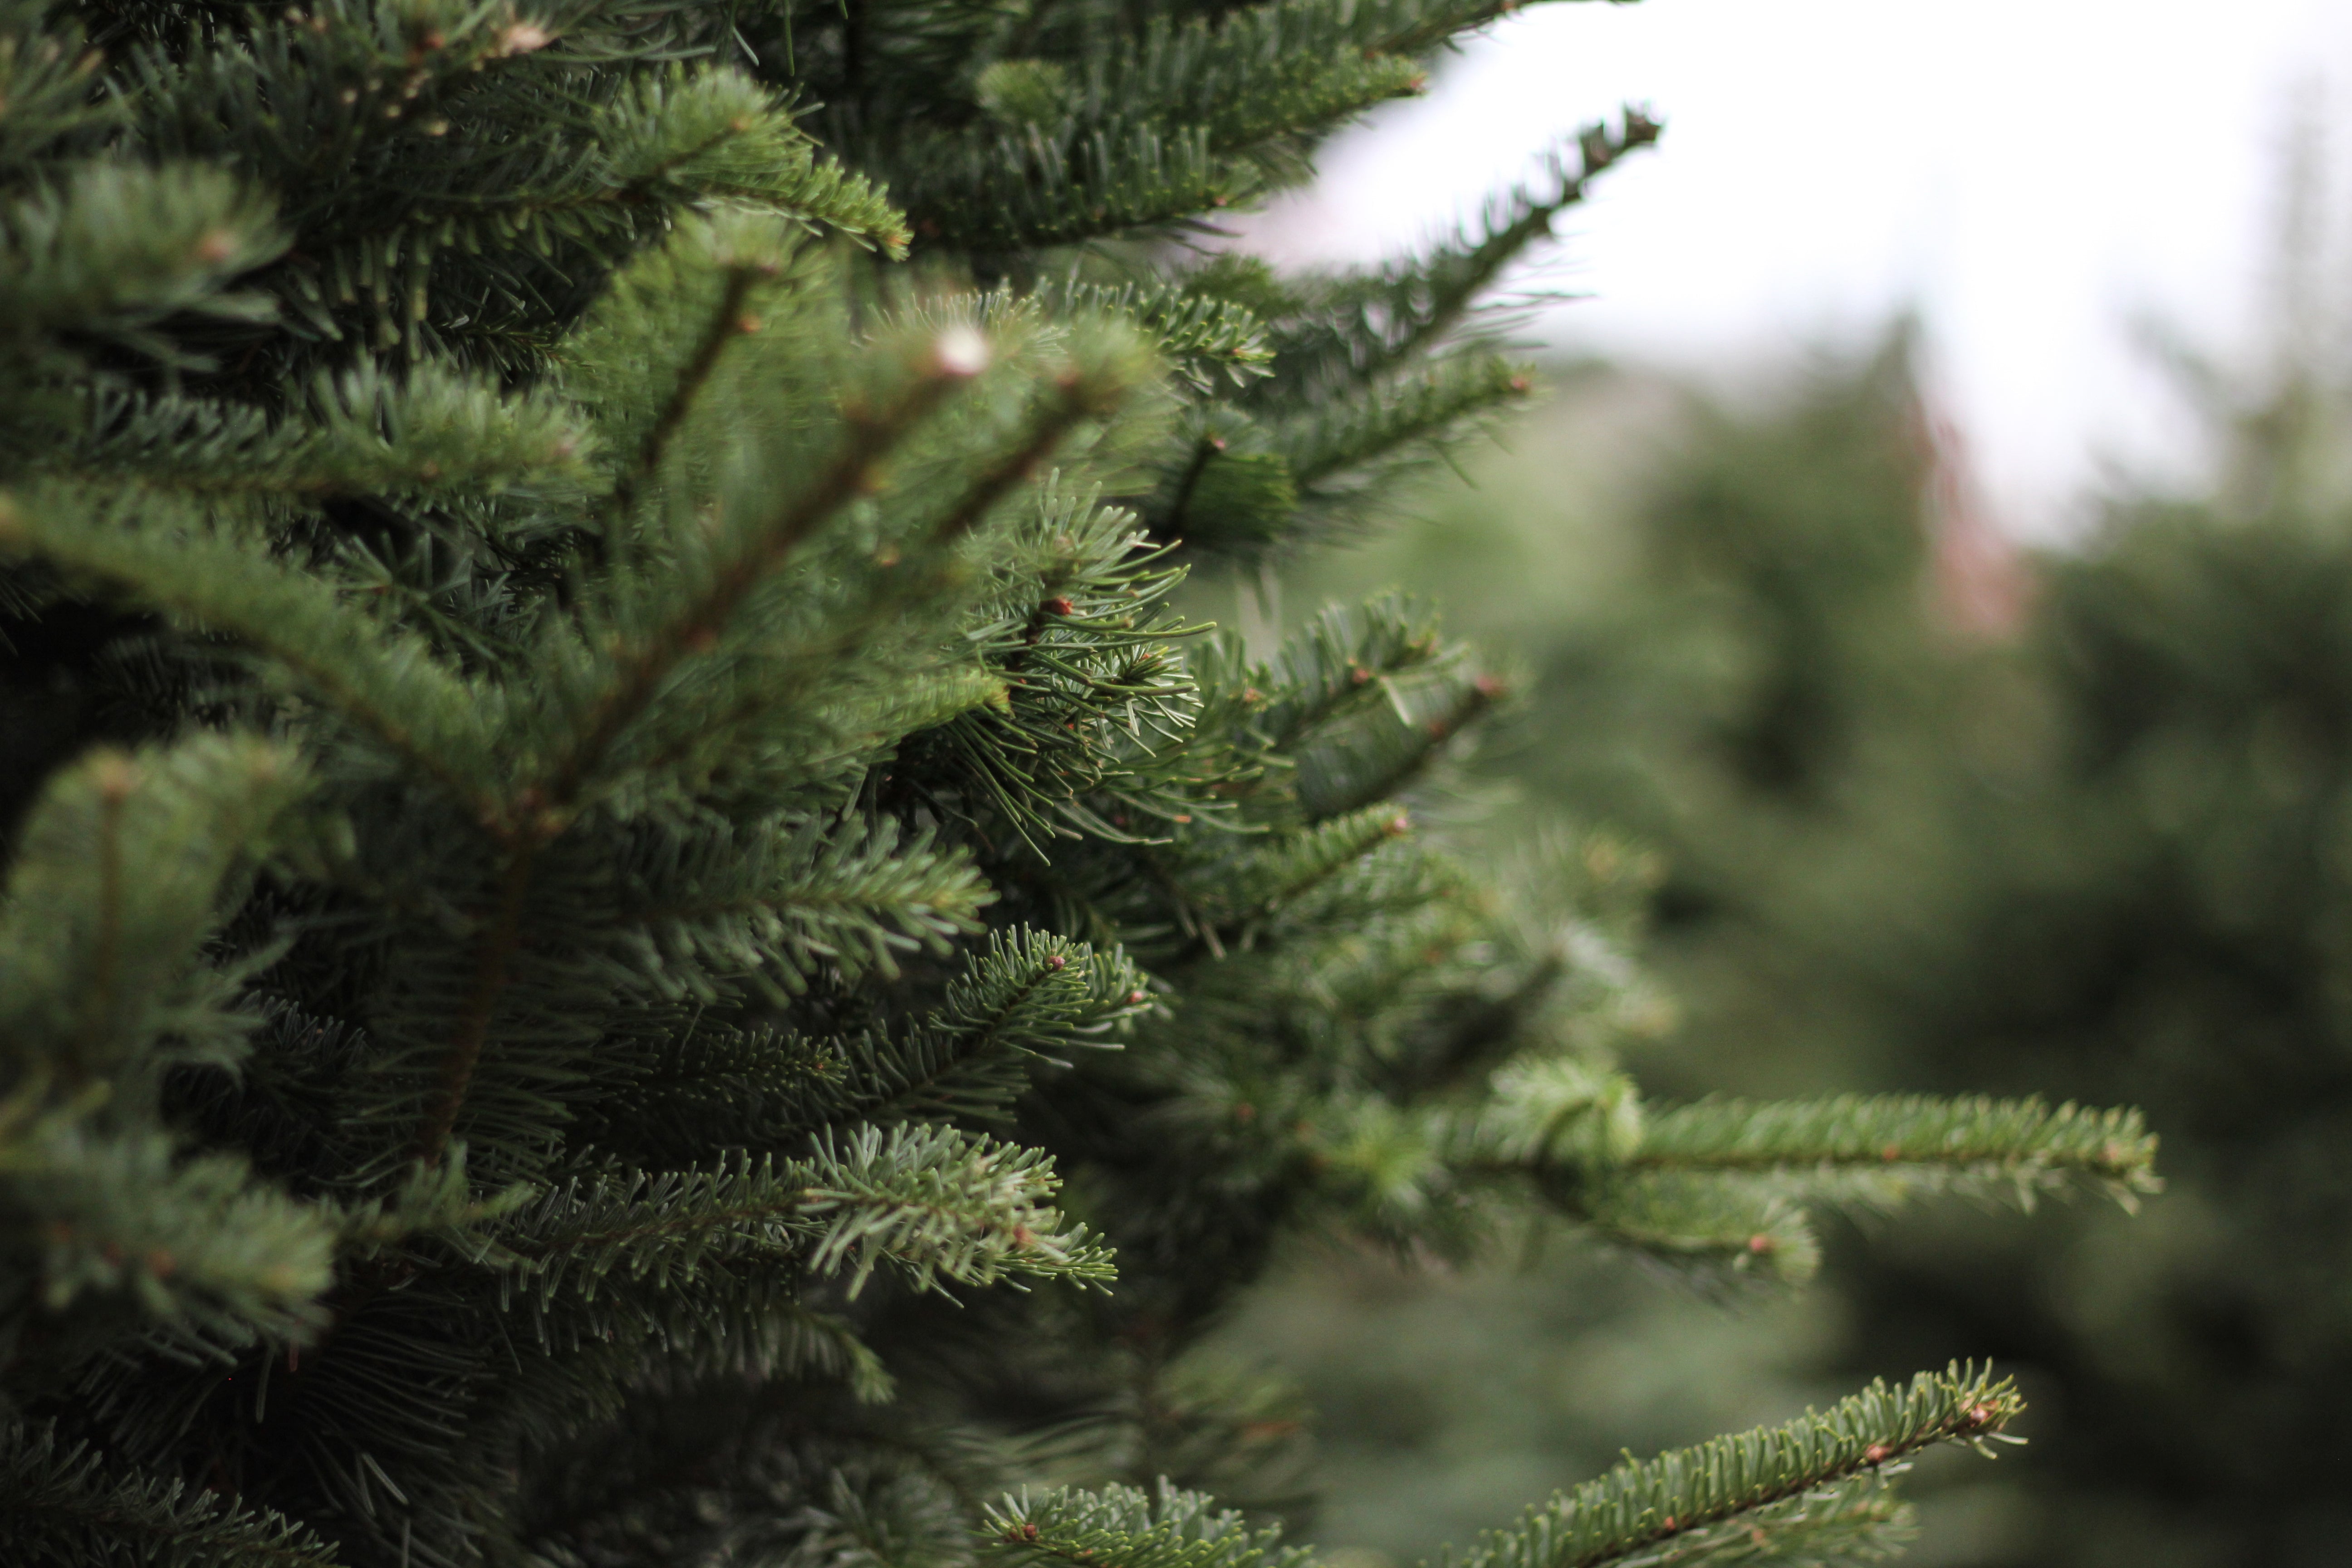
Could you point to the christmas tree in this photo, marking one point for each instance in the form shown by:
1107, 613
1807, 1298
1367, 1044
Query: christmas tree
2067, 822
633, 936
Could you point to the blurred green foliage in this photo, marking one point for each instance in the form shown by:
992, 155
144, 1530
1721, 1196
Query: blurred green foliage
1935, 813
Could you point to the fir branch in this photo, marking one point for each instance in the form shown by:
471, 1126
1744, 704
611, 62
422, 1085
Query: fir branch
1349, 445
706, 901
1075, 398
63, 1503
385, 682
1343, 662
1676, 1505
1030, 994
727, 323
1355, 329
92, 975
1809, 1477
870, 433
1712, 1227
495, 946
358, 432
938, 1204
2025, 1144
1125, 1527
1207, 340
205, 1253
1375, 762
944, 1204
1270, 875
110, 252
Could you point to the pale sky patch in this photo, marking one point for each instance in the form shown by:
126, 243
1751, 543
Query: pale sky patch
2029, 174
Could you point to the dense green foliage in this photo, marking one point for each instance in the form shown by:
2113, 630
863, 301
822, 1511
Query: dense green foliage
2069, 825
633, 936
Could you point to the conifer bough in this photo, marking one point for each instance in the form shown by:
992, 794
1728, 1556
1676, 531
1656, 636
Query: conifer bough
633, 934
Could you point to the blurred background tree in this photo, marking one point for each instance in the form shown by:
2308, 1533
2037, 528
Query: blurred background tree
1933, 813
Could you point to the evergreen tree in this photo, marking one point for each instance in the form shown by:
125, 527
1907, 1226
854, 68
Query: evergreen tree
2100, 854
631, 934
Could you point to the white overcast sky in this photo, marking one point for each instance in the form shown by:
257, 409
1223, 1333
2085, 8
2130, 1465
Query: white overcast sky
2030, 174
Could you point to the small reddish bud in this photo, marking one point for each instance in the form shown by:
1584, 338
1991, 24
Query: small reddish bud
747, 323
216, 246
1487, 686
1055, 961
1759, 1245
1891, 1154
1137, 998
1876, 1454
1669, 1522
1399, 823
1058, 605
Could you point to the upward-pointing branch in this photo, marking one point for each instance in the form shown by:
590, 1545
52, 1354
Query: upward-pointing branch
870, 435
